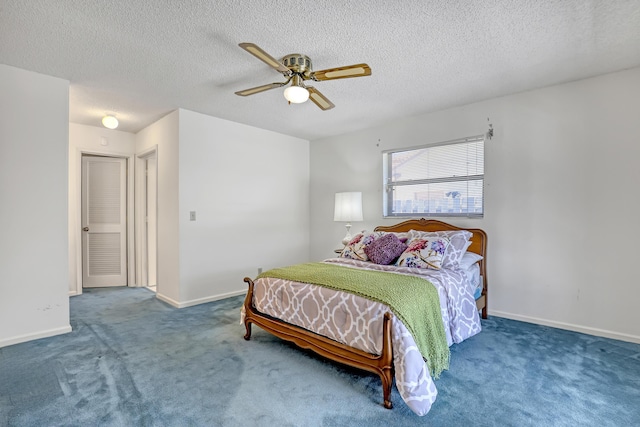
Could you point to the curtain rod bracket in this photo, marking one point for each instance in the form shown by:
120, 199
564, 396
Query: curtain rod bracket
489, 133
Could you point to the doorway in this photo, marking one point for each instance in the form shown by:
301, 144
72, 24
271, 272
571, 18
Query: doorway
147, 219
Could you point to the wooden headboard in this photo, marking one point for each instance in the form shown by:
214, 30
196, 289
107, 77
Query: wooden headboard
478, 244
478, 240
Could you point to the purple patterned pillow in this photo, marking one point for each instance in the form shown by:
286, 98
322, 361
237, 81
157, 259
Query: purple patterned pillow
385, 249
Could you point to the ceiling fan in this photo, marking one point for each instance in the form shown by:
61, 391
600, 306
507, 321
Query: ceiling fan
297, 69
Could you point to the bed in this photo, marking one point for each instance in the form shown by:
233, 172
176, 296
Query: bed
364, 332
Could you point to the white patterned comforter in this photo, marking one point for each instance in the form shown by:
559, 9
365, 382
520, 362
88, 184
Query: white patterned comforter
357, 321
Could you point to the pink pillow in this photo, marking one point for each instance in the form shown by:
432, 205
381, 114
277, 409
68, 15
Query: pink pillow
385, 249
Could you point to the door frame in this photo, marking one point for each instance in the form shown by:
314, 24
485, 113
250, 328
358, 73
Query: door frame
75, 214
140, 203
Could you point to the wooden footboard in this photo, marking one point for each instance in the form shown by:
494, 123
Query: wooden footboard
333, 350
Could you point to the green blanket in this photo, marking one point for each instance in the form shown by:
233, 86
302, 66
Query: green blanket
413, 300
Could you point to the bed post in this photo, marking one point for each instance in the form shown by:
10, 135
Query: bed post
386, 361
247, 308
485, 313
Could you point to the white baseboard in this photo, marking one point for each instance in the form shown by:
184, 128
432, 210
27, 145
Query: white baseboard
168, 300
36, 336
568, 326
198, 301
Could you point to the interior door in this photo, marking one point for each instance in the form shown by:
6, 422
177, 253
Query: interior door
104, 221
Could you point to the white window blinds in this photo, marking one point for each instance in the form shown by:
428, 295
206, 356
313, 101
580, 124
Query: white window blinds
444, 179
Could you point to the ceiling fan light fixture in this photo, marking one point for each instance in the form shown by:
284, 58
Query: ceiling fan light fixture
109, 122
297, 69
296, 94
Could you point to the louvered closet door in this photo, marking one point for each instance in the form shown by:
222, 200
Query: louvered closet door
104, 227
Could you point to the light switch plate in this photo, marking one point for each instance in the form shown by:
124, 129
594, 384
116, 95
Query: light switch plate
192, 216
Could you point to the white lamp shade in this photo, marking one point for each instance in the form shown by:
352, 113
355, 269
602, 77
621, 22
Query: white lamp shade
348, 206
296, 94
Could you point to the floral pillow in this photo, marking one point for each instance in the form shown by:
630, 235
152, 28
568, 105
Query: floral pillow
385, 249
459, 243
424, 253
355, 248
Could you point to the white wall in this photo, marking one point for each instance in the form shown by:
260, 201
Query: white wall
561, 197
90, 140
34, 118
163, 134
249, 188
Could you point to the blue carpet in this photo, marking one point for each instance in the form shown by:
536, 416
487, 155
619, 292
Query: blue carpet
132, 360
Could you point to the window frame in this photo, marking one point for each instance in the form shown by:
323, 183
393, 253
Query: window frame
388, 186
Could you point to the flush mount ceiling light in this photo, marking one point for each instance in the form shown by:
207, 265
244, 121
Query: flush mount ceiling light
297, 69
109, 122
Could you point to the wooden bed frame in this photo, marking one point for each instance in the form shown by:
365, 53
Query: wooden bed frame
382, 364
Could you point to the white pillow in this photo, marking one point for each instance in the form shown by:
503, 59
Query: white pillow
468, 259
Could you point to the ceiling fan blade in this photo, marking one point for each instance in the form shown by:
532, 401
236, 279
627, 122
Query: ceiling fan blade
357, 70
259, 89
319, 99
264, 57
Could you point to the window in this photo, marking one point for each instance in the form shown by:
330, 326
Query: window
444, 179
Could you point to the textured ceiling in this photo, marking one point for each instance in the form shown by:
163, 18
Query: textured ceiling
140, 59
